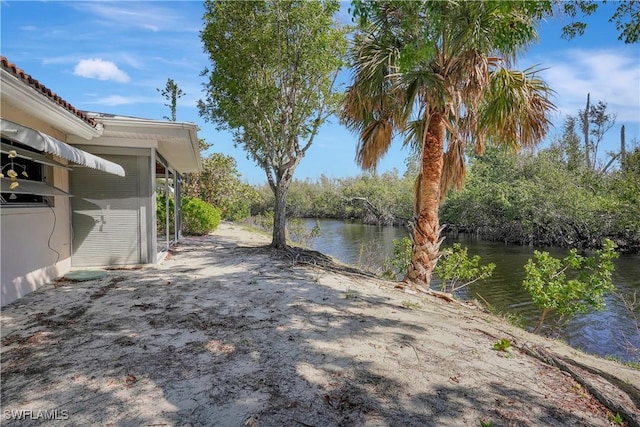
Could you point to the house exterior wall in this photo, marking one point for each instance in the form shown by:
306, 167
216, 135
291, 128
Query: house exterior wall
112, 216
35, 242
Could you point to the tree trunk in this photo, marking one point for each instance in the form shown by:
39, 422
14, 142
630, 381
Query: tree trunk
585, 132
426, 228
623, 150
543, 316
279, 240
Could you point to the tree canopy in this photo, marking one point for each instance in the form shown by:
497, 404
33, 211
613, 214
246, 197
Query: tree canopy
274, 65
626, 18
171, 93
219, 184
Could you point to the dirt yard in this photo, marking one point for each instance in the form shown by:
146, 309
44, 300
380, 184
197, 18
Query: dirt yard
227, 332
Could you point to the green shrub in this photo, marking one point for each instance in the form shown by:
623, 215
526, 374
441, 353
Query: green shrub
161, 214
572, 285
198, 217
298, 232
237, 211
456, 270
394, 268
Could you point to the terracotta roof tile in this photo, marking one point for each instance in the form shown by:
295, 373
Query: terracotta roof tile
35, 84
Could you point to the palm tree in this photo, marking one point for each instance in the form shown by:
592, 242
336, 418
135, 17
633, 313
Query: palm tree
439, 72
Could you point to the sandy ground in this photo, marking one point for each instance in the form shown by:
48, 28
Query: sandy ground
227, 332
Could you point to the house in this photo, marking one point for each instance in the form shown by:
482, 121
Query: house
84, 187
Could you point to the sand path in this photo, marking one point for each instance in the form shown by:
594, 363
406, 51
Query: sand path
227, 332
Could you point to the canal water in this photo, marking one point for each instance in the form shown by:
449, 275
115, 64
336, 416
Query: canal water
613, 332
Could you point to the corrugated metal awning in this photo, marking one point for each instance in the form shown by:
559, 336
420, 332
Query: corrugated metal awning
48, 144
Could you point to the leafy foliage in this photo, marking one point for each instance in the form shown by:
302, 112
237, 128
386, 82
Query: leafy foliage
625, 182
161, 213
549, 197
198, 217
171, 93
397, 265
385, 198
219, 184
297, 232
502, 345
626, 17
272, 82
456, 270
572, 285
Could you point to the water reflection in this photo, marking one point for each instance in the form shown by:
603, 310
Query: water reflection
610, 332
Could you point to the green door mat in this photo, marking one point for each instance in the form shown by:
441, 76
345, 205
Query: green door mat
85, 275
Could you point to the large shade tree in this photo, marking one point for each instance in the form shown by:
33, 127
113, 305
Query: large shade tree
439, 73
272, 82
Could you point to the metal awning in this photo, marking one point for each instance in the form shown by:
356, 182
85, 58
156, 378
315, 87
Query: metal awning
31, 155
31, 187
45, 143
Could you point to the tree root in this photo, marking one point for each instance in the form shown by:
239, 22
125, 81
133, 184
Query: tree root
413, 289
631, 415
308, 257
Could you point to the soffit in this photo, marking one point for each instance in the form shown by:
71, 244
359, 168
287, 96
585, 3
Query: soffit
177, 142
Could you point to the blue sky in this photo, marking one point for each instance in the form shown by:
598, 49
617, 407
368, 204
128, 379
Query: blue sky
111, 57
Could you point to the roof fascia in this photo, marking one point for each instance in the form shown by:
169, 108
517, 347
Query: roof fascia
24, 97
170, 129
132, 124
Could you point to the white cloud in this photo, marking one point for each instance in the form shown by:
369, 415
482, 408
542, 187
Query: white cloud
96, 68
610, 76
146, 15
116, 100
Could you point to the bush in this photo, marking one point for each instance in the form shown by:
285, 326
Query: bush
198, 217
161, 214
237, 211
457, 270
572, 285
399, 265
298, 232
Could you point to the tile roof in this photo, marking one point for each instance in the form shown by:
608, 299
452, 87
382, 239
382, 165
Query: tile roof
35, 84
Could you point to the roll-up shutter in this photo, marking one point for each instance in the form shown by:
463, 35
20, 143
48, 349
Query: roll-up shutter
106, 215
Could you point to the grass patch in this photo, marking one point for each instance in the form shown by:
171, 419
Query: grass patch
514, 319
631, 364
349, 294
410, 305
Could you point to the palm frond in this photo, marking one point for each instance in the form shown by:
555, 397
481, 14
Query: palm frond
516, 108
373, 104
414, 133
374, 143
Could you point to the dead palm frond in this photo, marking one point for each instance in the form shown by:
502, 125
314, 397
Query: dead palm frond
374, 142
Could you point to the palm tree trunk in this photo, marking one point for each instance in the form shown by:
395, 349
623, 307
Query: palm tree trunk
426, 228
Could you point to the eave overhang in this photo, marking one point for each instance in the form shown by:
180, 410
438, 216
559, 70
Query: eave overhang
25, 98
177, 142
